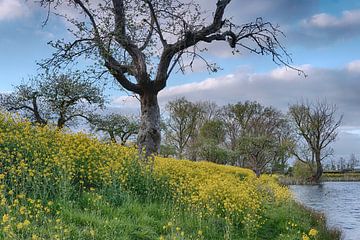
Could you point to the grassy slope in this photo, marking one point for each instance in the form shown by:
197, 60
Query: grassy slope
60, 186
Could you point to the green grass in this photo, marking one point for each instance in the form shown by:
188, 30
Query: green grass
89, 216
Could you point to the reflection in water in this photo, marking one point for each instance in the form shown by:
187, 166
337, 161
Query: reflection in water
339, 201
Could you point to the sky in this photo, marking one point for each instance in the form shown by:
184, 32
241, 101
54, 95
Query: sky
322, 36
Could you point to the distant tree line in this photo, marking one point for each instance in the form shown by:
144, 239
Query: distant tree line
343, 164
251, 135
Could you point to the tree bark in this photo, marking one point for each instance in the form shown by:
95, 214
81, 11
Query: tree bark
149, 134
112, 137
319, 168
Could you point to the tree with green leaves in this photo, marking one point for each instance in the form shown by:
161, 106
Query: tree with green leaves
211, 139
262, 142
141, 42
181, 124
316, 124
119, 127
58, 99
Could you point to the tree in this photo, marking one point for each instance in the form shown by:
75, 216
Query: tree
58, 99
353, 161
213, 130
117, 126
236, 118
26, 100
181, 124
262, 141
141, 42
317, 124
211, 139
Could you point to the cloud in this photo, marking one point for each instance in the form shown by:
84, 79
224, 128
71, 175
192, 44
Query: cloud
323, 28
278, 11
11, 9
354, 66
348, 19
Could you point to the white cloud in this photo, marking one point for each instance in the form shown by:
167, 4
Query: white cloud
354, 66
287, 74
324, 20
11, 9
351, 130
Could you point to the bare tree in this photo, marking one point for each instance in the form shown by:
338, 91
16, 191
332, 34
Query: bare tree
317, 124
141, 42
56, 99
26, 100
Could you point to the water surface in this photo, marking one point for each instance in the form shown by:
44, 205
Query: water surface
339, 201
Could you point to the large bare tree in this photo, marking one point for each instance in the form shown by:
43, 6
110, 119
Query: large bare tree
141, 42
317, 124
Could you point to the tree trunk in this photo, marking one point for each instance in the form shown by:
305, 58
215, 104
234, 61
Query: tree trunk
112, 137
149, 134
61, 123
319, 168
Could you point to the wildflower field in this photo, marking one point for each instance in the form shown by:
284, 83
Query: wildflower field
56, 185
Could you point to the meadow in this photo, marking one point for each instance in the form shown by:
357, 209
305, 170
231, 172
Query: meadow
56, 185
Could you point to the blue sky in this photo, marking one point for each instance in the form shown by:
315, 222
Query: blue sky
323, 37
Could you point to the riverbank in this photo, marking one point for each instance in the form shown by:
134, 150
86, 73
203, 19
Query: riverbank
341, 177
326, 177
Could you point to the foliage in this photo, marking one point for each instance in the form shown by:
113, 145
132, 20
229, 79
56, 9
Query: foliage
210, 151
181, 124
54, 98
117, 126
302, 170
260, 134
213, 130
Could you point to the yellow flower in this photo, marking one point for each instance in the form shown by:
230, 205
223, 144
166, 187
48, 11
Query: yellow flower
313, 232
26, 223
200, 232
34, 237
19, 226
5, 218
305, 237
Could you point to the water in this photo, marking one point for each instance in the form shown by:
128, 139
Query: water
339, 201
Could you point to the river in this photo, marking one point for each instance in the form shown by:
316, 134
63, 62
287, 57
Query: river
339, 201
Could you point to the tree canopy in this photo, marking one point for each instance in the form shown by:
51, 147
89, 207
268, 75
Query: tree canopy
58, 99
